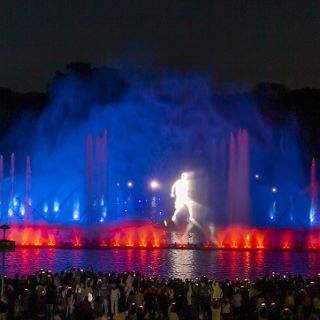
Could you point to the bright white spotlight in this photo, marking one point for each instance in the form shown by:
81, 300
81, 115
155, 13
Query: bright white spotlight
274, 190
75, 215
45, 207
257, 176
312, 214
154, 184
104, 212
56, 206
76, 210
130, 184
22, 209
180, 191
15, 202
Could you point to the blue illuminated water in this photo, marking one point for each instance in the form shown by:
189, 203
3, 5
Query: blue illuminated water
167, 263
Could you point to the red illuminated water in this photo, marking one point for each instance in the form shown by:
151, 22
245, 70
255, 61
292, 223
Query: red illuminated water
143, 234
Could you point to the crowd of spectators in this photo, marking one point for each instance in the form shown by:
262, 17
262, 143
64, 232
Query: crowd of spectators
85, 295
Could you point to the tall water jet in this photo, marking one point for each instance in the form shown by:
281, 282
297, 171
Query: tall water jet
12, 165
238, 203
89, 175
223, 162
97, 165
1, 181
28, 190
96, 177
242, 177
231, 179
313, 193
104, 164
222, 176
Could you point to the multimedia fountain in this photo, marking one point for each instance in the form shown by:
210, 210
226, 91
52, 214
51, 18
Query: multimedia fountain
104, 217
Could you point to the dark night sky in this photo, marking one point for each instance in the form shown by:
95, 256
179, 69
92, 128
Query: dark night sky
238, 42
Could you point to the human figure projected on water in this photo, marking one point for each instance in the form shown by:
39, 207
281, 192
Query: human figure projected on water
180, 191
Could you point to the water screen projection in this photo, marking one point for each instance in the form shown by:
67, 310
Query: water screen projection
119, 145
180, 191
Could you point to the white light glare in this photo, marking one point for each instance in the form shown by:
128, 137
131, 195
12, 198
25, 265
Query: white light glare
130, 184
154, 184
76, 210
15, 202
45, 208
312, 214
22, 210
56, 206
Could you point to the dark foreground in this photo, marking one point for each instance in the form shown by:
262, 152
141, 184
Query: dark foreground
84, 294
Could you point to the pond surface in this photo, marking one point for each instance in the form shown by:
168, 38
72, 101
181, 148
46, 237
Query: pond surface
166, 263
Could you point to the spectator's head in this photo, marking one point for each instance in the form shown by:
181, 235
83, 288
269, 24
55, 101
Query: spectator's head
286, 314
263, 312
